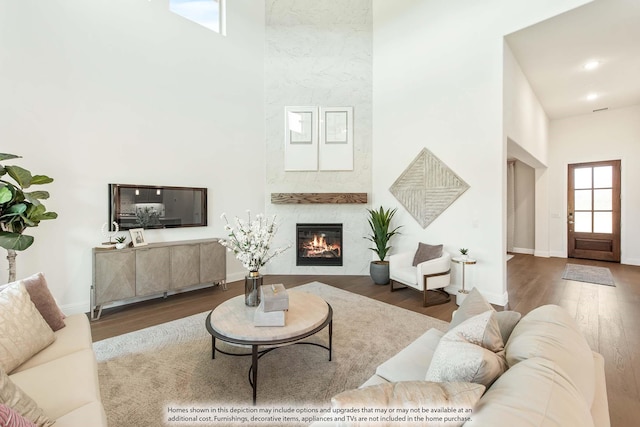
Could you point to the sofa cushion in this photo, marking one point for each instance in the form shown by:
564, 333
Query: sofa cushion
12, 396
93, 411
23, 331
74, 337
412, 362
535, 392
551, 333
407, 395
11, 418
62, 385
426, 253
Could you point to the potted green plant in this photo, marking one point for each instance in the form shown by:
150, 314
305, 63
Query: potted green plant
19, 209
121, 242
464, 253
380, 223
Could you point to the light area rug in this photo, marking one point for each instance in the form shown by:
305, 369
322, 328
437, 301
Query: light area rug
588, 274
143, 372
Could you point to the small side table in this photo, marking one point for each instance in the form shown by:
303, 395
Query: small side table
462, 293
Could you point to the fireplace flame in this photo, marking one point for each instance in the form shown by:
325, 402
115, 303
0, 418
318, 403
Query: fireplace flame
319, 247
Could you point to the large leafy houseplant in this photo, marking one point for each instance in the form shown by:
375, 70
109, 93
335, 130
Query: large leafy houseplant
381, 234
19, 209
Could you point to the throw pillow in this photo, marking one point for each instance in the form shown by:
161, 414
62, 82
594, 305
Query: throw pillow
466, 362
470, 352
507, 320
482, 330
411, 394
43, 300
426, 252
475, 304
23, 331
472, 305
11, 395
10, 418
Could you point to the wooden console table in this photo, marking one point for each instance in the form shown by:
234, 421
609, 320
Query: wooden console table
121, 274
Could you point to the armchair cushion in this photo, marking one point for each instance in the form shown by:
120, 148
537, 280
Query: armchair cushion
426, 252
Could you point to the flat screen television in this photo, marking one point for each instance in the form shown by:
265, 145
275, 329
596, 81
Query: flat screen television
154, 206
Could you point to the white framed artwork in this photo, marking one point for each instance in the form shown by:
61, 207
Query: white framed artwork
301, 138
335, 149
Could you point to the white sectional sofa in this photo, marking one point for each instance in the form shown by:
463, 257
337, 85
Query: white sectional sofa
63, 378
48, 370
550, 377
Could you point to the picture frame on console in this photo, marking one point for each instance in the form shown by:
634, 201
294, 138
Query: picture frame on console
137, 237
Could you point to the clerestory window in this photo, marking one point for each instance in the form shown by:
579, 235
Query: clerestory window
208, 13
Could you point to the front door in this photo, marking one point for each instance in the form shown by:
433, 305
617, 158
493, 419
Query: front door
593, 217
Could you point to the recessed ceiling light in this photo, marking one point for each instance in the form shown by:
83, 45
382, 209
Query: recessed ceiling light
591, 65
592, 96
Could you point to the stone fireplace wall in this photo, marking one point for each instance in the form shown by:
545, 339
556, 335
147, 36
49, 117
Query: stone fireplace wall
319, 53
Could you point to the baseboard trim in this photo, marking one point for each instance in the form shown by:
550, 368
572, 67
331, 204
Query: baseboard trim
542, 254
525, 251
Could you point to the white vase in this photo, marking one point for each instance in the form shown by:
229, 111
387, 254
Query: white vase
121, 245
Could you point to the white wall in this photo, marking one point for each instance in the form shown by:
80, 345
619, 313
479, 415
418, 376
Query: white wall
524, 235
95, 92
319, 54
608, 135
438, 83
526, 128
525, 122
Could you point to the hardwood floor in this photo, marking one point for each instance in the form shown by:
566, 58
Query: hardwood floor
608, 316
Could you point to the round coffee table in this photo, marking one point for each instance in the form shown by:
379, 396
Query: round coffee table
232, 322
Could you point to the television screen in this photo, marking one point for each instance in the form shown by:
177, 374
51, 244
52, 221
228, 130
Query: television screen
150, 206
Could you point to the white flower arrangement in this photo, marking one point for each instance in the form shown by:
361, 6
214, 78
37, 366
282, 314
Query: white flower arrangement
250, 241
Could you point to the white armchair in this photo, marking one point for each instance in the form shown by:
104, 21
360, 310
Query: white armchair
432, 275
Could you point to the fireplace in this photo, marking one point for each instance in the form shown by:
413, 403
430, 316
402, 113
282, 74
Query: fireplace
319, 244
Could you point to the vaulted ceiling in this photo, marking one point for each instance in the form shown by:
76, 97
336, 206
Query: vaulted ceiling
553, 55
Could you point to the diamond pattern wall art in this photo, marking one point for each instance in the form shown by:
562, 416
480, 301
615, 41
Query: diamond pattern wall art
427, 188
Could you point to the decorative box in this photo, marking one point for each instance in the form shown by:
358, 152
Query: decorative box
270, 318
274, 297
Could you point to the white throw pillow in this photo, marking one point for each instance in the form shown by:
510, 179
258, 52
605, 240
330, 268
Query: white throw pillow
470, 352
23, 330
475, 304
421, 395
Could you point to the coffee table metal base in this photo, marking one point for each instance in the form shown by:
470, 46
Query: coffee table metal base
256, 354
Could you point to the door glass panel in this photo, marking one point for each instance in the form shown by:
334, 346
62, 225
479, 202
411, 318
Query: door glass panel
603, 177
582, 200
582, 178
582, 222
602, 200
602, 222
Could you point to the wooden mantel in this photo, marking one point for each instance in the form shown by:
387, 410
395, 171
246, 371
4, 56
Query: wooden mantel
317, 198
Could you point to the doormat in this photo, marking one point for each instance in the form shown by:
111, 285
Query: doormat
589, 274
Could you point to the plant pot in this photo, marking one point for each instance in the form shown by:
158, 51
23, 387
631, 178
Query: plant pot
121, 245
379, 271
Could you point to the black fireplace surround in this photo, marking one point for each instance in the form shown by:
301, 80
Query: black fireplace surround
319, 244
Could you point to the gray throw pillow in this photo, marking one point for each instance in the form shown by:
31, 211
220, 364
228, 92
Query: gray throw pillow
475, 304
426, 252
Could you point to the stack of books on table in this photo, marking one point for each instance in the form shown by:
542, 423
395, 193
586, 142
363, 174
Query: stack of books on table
274, 302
